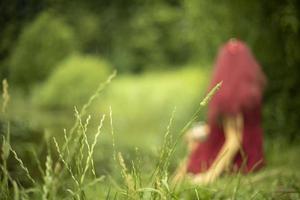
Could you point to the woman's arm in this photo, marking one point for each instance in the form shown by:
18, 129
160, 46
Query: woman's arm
233, 128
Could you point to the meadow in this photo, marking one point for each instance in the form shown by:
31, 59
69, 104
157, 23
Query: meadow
125, 142
73, 128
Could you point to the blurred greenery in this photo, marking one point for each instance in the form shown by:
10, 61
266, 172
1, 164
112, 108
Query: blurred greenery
56, 53
79, 75
139, 36
41, 46
142, 105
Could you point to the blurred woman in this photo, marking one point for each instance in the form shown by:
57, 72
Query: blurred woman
235, 138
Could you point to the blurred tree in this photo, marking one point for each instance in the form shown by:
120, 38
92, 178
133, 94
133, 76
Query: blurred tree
279, 48
14, 15
78, 75
42, 44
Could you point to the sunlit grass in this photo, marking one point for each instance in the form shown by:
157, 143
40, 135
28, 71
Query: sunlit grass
73, 169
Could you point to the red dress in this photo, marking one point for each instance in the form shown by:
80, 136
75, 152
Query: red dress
250, 158
241, 92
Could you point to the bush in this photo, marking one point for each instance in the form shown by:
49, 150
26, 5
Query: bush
42, 44
72, 83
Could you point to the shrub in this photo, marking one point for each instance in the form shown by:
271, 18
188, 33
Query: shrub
41, 45
74, 80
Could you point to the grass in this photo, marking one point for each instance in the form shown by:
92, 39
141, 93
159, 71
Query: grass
70, 172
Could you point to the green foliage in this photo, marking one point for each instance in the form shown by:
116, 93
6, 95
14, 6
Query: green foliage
278, 50
166, 33
73, 174
42, 44
153, 39
145, 102
141, 36
87, 26
78, 75
12, 21
138, 36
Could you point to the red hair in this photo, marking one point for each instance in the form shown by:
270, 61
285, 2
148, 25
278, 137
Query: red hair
243, 81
